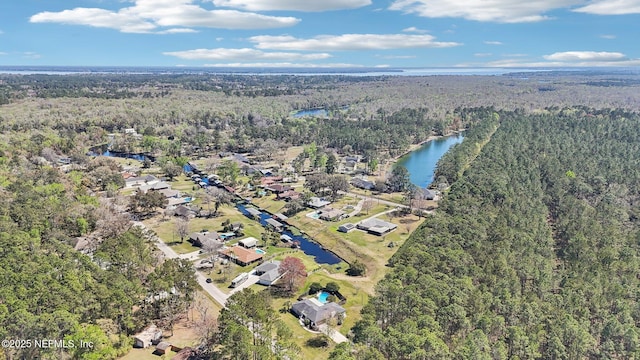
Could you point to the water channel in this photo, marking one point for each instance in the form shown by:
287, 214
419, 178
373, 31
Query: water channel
421, 163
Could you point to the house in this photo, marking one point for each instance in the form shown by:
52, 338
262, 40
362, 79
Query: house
141, 180
241, 158
315, 312
149, 336
248, 242
241, 255
345, 228
288, 195
363, 184
330, 214
169, 193
269, 273
182, 211
376, 226
278, 188
317, 203
174, 202
201, 238
270, 180
426, 194
156, 186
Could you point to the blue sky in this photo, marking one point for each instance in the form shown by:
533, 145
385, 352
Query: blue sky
323, 33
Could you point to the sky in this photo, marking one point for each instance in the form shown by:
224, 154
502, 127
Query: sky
321, 33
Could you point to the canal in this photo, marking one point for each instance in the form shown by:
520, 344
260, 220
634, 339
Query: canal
307, 246
422, 162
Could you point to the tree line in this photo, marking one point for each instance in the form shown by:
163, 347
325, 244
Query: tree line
533, 253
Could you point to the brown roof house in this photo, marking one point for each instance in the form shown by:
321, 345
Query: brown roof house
242, 256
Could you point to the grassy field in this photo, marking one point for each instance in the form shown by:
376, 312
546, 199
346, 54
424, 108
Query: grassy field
373, 251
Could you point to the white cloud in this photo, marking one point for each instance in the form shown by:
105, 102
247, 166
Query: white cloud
178, 31
611, 7
493, 42
396, 56
292, 5
585, 56
3, 53
101, 18
607, 36
414, 29
31, 55
243, 54
572, 59
296, 65
505, 11
147, 15
349, 42
482, 54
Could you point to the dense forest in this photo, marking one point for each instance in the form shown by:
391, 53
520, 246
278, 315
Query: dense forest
533, 253
48, 290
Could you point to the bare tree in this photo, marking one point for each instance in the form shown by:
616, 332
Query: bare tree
182, 227
367, 205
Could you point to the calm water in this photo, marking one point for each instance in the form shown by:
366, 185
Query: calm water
311, 112
422, 162
307, 246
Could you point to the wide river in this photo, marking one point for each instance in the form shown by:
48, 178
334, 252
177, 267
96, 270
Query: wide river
422, 162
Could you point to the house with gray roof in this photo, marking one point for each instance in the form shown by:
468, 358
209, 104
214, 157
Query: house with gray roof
269, 273
376, 226
315, 312
278, 226
253, 212
201, 238
317, 203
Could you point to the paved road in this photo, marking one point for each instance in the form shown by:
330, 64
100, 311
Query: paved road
216, 294
253, 279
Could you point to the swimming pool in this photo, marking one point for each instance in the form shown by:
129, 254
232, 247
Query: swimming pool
314, 215
322, 296
260, 251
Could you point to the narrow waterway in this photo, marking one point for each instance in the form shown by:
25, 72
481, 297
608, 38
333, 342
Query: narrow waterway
422, 162
307, 246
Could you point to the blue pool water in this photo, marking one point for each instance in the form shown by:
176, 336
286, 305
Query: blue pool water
322, 297
260, 251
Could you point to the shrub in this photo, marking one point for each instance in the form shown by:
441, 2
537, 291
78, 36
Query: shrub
314, 288
332, 287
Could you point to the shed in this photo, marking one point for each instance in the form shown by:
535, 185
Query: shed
253, 212
149, 336
274, 223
